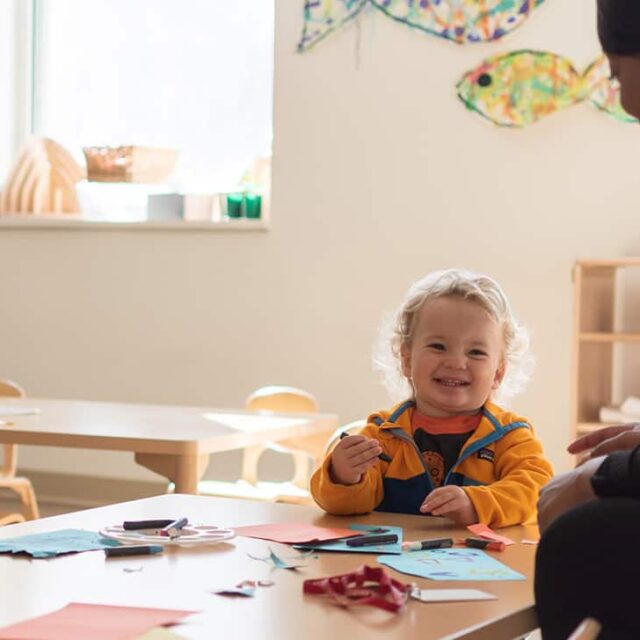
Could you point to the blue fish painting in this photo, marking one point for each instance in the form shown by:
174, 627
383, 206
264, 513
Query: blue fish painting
462, 21
519, 88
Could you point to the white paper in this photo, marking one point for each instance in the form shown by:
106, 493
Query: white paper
450, 595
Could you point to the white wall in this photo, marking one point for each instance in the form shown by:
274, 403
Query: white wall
380, 175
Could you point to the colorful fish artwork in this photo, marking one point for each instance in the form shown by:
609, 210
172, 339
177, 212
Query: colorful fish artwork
463, 21
519, 88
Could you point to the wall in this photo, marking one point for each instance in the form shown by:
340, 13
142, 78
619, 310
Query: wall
380, 175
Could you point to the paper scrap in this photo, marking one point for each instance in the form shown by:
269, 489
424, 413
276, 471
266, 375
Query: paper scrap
54, 543
485, 532
278, 562
451, 564
450, 595
95, 621
341, 545
246, 591
292, 532
529, 541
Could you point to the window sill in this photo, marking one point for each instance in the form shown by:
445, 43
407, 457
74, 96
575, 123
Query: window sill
17, 221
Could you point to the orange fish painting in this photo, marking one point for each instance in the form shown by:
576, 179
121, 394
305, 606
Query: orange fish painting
521, 87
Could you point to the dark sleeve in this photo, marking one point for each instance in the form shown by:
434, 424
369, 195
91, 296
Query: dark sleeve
618, 475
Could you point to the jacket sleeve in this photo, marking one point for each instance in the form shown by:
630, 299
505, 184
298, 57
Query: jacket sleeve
618, 475
522, 470
341, 499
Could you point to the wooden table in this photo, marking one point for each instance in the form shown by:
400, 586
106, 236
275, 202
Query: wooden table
174, 441
182, 578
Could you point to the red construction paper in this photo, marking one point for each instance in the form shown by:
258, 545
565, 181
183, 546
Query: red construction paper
485, 532
95, 621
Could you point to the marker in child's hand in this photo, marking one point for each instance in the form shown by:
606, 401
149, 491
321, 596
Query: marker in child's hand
383, 456
434, 543
480, 543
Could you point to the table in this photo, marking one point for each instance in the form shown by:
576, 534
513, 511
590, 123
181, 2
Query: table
174, 441
181, 578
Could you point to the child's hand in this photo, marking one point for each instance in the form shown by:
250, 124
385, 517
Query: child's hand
352, 457
451, 502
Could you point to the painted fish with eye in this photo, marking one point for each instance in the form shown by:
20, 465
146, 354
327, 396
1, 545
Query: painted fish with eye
519, 88
463, 21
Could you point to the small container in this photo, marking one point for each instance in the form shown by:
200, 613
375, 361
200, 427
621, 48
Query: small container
234, 205
252, 205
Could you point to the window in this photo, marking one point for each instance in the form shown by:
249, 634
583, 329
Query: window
190, 75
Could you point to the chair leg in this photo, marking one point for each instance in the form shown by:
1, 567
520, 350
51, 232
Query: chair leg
301, 461
28, 498
250, 459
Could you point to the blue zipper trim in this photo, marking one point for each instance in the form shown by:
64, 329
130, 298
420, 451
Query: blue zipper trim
498, 432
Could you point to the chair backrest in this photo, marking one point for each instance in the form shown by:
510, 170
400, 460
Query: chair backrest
282, 400
351, 428
10, 461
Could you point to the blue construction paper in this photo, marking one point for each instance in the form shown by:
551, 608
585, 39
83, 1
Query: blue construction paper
451, 564
55, 543
373, 529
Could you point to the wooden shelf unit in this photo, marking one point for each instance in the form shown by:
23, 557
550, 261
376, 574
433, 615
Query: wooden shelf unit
594, 339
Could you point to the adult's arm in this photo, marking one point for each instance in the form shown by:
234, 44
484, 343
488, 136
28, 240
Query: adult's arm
617, 475
608, 439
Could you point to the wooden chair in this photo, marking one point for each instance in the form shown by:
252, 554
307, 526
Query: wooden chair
305, 452
8, 478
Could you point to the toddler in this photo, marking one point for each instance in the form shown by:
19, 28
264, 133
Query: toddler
450, 450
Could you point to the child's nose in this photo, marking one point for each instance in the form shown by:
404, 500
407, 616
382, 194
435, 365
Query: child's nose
457, 360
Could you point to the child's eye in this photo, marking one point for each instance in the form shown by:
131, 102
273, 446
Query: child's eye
477, 353
438, 346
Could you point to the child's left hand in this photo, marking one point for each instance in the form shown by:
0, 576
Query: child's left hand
451, 502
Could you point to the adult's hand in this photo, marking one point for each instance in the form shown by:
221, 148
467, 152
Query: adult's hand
566, 491
608, 439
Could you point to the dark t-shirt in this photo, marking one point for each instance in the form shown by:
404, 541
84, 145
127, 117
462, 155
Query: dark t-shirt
440, 440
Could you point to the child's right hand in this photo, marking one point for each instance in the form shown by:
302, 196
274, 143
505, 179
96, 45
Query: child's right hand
352, 456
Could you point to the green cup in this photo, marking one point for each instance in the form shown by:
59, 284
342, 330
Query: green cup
234, 205
252, 205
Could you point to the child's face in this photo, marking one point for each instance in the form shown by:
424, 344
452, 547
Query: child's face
455, 358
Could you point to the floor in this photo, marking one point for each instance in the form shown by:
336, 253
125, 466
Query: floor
8, 505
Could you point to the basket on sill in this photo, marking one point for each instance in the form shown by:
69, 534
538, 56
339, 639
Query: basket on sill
129, 163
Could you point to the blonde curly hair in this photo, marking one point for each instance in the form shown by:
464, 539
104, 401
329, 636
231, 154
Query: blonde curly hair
397, 330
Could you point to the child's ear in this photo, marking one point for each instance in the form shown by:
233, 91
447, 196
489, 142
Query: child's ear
405, 360
499, 375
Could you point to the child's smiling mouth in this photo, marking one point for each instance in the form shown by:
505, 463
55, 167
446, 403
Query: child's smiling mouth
451, 382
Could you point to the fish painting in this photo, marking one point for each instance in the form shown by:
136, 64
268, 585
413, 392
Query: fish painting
519, 88
462, 21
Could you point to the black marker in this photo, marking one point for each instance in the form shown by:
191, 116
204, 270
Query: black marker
132, 525
383, 456
133, 550
434, 543
481, 543
364, 541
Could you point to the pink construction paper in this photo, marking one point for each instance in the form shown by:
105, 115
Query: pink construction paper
294, 532
95, 621
485, 532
